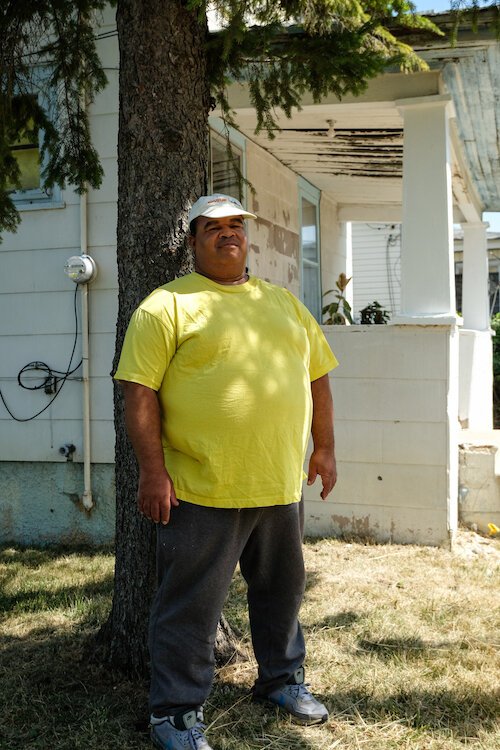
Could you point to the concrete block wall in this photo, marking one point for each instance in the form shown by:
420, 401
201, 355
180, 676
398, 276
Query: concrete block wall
479, 482
392, 397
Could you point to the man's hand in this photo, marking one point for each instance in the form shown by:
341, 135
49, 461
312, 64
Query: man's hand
156, 495
322, 462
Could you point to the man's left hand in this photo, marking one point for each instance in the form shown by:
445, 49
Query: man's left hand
322, 462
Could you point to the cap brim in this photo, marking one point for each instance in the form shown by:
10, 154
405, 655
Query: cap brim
219, 212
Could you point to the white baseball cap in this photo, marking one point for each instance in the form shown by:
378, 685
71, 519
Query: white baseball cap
217, 206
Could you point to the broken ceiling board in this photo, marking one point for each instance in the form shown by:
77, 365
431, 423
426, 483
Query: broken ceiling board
369, 152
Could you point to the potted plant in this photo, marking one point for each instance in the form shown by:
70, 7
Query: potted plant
374, 314
338, 312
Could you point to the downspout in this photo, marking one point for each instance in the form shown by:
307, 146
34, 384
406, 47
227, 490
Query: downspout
87, 500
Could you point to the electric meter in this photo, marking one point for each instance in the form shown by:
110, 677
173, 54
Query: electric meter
81, 269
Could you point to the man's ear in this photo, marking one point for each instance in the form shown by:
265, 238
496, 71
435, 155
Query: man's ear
192, 242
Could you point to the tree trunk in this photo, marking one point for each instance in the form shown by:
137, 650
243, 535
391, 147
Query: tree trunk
162, 167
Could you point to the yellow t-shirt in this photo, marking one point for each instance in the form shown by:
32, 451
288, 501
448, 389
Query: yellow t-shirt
232, 366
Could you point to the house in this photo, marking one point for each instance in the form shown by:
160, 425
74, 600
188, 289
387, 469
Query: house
405, 152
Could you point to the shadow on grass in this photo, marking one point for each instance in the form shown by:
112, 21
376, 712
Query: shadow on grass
43, 599
232, 714
18, 561
463, 711
339, 621
313, 579
51, 696
389, 649
77, 701
34, 557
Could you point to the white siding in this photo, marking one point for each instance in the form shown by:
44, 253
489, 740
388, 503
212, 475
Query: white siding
37, 303
376, 250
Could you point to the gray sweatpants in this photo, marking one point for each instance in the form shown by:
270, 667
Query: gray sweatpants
197, 553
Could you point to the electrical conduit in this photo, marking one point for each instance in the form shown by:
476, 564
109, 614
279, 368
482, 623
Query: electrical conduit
87, 500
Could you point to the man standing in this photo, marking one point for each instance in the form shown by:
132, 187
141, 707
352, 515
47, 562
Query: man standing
224, 376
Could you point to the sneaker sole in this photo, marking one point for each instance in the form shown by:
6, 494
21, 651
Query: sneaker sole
299, 718
157, 743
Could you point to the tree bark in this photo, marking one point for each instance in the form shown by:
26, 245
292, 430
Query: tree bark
162, 168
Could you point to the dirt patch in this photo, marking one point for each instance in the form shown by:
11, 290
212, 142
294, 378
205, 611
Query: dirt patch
470, 544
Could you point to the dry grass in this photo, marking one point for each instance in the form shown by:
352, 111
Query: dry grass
403, 647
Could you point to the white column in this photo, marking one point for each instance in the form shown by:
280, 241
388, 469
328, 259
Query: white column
427, 263
345, 249
475, 295
476, 350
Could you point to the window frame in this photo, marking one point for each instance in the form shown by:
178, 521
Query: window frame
41, 197
312, 194
218, 129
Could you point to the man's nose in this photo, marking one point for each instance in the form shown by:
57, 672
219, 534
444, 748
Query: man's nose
227, 232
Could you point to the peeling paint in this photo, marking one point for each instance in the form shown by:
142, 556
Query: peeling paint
360, 152
280, 240
356, 526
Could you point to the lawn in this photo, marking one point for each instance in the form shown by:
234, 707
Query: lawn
403, 647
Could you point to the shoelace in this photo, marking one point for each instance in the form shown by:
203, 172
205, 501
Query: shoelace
195, 734
299, 691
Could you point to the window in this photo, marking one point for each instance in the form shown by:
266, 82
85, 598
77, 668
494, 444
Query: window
458, 286
225, 168
27, 152
310, 249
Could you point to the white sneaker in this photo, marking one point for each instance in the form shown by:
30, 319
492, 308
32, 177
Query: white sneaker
296, 699
183, 731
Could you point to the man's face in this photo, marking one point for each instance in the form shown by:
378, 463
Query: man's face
220, 246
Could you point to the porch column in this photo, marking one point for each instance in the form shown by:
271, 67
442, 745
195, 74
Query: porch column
345, 250
476, 351
428, 280
475, 293
427, 263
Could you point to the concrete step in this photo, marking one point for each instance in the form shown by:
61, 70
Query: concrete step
479, 479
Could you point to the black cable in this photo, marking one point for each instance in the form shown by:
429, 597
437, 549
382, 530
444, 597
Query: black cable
52, 377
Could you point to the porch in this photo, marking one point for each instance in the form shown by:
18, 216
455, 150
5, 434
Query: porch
408, 151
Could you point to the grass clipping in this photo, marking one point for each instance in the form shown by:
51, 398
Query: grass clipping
403, 648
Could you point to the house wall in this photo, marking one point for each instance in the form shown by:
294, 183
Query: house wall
40, 489
394, 390
376, 250
274, 249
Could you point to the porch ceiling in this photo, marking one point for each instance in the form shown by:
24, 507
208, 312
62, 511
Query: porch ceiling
353, 150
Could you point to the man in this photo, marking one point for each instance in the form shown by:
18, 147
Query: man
223, 375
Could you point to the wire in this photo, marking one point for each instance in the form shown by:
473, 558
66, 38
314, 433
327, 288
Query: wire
34, 53
392, 241
51, 378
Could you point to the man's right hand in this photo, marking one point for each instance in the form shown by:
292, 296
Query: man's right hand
156, 495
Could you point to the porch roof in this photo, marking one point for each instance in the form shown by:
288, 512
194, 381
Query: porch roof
353, 149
